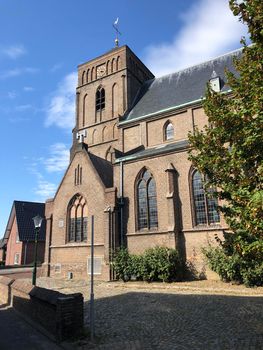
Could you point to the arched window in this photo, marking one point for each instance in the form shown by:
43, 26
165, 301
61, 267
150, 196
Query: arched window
87, 76
83, 78
100, 99
84, 110
205, 206
77, 219
92, 74
113, 65
168, 131
118, 63
146, 201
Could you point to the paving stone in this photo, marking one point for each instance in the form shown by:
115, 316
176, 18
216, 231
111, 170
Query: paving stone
143, 317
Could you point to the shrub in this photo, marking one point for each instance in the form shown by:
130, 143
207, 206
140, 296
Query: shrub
253, 276
122, 264
234, 267
156, 264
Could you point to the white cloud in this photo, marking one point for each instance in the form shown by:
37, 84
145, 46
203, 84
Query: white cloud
23, 108
57, 161
16, 119
11, 95
45, 189
17, 71
61, 108
14, 51
56, 67
59, 158
209, 29
28, 88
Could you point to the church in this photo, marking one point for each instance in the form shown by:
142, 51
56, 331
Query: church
129, 166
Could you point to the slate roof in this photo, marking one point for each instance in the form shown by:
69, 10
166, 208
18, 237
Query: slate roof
24, 212
104, 169
2, 243
155, 151
179, 88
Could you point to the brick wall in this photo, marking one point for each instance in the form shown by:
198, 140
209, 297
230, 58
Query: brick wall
61, 315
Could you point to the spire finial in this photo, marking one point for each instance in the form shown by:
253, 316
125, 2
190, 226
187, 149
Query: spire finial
115, 26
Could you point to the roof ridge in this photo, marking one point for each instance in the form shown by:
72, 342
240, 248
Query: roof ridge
20, 201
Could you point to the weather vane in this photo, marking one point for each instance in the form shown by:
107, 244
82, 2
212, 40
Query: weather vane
115, 26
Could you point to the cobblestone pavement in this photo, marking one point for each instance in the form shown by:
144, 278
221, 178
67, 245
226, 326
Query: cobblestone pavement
193, 315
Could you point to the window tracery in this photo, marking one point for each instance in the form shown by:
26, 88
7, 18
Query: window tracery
147, 216
77, 219
205, 206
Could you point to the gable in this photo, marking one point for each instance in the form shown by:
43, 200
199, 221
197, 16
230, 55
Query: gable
86, 169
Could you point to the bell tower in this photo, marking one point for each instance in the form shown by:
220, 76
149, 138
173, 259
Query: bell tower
107, 86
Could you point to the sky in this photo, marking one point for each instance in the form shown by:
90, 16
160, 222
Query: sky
41, 44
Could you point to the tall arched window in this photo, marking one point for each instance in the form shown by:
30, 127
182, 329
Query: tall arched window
77, 219
168, 131
205, 206
147, 217
100, 99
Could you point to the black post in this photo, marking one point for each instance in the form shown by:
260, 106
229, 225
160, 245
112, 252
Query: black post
34, 276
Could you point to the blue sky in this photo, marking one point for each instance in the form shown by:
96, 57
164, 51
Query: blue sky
41, 44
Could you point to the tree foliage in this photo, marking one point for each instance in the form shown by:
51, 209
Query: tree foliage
229, 150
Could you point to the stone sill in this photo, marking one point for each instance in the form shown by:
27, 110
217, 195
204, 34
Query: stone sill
204, 228
78, 245
147, 233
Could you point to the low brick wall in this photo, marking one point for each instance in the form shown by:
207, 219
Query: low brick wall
60, 314
5, 290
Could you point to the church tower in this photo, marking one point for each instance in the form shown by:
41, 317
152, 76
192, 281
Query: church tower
107, 87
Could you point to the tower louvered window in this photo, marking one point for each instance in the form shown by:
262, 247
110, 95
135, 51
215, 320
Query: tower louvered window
100, 99
147, 217
77, 220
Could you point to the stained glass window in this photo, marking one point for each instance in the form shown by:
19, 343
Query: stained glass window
205, 206
78, 220
147, 202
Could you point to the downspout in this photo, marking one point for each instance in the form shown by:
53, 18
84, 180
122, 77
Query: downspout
121, 204
25, 256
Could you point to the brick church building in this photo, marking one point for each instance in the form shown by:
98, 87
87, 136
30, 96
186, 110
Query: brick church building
129, 166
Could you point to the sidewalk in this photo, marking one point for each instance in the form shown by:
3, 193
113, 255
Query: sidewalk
17, 334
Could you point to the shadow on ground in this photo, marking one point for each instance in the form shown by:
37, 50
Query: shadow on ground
17, 334
174, 321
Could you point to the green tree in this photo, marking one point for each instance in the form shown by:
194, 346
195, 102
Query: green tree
229, 151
